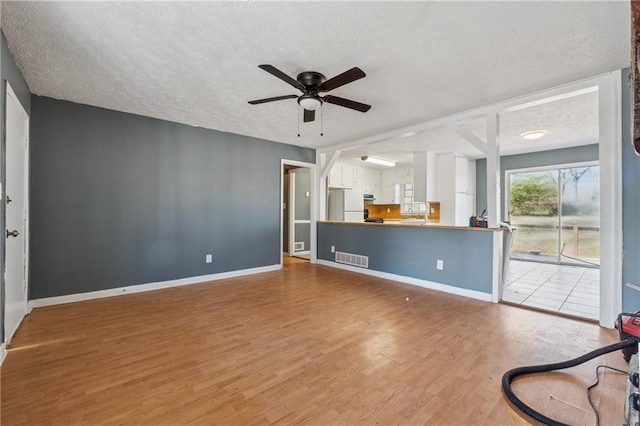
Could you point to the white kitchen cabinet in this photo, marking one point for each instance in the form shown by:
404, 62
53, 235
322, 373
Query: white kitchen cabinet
377, 184
456, 189
363, 180
341, 176
388, 193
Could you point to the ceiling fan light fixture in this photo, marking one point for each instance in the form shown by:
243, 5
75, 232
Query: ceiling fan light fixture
379, 161
309, 102
533, 134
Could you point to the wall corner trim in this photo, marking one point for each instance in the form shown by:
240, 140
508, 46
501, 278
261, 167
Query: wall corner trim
431, 285
3, 353
139, 288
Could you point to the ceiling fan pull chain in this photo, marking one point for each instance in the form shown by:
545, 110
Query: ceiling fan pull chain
298, 121
321, 119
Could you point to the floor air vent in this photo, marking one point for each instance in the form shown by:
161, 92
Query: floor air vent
352, 259
298, 246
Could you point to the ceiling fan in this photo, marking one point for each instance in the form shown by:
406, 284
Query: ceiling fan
311, 84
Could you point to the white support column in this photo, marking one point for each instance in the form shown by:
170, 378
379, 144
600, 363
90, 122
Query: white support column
493, 169
432, 175
493, 200
610, 156
320, 185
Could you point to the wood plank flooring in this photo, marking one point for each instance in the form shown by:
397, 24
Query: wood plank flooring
306, 345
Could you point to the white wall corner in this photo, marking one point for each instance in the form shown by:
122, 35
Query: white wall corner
610, 156
3, 352
496, 269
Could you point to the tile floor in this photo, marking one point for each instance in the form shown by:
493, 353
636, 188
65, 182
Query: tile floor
571, 290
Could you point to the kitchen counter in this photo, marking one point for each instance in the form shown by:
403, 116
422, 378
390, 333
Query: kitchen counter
412, 224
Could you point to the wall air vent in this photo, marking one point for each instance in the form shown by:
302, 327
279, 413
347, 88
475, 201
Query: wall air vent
298, 246
352, 259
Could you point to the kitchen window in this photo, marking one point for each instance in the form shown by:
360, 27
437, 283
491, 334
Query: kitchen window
409, 205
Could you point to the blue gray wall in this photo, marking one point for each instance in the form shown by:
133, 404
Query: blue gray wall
10, 73
521, 161
630, 206
119, 199
413, 251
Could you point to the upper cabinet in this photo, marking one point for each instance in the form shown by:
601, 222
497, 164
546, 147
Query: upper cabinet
341, 176
364, 180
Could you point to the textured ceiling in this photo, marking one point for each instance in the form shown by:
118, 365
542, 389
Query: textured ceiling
571, 121
197, 62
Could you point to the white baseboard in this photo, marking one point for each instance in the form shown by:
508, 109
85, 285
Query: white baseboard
78, 297
473, 294
3, 352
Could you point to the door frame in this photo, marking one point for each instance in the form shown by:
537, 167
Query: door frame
10, 94
312, 197
292, 222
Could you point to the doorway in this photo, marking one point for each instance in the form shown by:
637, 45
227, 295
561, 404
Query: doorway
16, 214
298, 234
555, 254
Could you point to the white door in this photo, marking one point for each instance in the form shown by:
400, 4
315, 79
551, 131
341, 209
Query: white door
15, 232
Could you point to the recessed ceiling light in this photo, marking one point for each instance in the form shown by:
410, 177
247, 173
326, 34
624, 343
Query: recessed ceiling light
380, 161
533, 134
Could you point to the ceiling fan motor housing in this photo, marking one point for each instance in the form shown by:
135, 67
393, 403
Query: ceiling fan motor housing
311, 80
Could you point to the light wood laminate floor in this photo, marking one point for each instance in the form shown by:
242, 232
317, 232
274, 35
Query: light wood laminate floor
306, 345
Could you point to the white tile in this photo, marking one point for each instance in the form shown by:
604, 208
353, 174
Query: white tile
551, 295
580, 308
543, 304
591, 303
590, 315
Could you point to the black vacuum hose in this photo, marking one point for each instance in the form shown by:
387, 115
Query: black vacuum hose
508, 377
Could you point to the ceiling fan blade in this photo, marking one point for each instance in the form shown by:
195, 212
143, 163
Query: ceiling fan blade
276, 98
309, 115
282, 76
347, 103
346, 77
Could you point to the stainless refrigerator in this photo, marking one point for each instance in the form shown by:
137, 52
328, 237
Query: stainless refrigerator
346, 205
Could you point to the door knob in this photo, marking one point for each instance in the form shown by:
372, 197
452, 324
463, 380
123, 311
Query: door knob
9, 199
13, 233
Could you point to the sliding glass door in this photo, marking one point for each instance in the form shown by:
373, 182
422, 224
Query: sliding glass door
556, 213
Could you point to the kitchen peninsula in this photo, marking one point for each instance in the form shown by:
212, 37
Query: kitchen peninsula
454, 259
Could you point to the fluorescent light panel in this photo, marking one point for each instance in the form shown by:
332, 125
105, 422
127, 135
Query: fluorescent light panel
379, 161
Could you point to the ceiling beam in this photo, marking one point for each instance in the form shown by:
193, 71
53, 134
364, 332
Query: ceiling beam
329, 164
475, 141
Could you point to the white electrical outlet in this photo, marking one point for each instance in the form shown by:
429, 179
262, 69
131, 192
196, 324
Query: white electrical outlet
388, 210
209, 258
333, 249
439, 265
